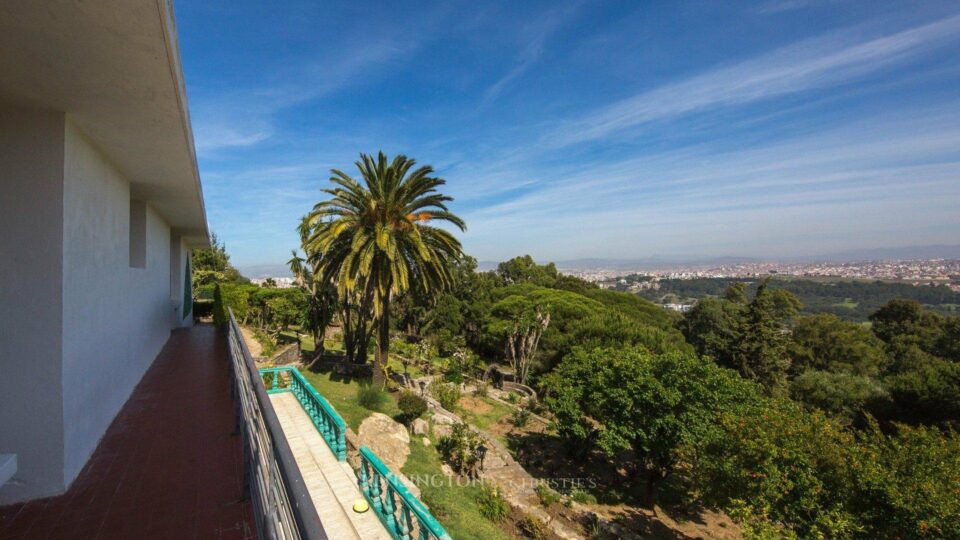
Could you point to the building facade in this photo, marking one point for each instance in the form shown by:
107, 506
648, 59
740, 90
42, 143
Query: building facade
100, 204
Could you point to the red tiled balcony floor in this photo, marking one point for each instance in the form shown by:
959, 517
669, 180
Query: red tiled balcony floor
169, 466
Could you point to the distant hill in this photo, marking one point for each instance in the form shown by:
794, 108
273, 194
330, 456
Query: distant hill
666, 263
649, 263
886, 254
852, 300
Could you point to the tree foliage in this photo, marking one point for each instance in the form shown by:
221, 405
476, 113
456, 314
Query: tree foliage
630, 399
375, 239
751, 337
212, 265
825, 342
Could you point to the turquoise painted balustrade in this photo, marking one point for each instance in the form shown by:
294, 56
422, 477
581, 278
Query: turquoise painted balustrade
325, 418
401, 513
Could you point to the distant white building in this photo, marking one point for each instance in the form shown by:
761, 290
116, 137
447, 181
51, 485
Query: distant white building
279, 282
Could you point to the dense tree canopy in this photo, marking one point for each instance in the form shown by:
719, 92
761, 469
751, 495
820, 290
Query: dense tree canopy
655, 405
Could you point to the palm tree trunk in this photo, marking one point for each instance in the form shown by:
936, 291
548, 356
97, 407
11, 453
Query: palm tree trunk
383, 343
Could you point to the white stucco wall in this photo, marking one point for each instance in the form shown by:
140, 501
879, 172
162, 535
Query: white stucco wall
115, 318
31, 230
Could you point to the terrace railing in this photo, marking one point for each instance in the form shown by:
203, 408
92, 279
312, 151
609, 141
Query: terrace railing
282, 505
324, 417
401, 513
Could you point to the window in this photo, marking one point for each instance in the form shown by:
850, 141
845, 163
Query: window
138, 234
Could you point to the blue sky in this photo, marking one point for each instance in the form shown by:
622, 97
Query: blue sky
589, 129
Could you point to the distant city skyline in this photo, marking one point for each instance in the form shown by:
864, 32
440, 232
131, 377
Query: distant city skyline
590, 130
657, 266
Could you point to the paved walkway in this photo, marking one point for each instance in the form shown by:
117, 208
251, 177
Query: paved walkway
332, 484
169, 466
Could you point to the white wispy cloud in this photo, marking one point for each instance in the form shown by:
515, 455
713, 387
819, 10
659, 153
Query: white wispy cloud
244, 117
780, 6
908, 169
539, 32
821, 62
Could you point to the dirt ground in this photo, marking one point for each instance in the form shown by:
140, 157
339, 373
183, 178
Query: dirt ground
255, 349
475, 405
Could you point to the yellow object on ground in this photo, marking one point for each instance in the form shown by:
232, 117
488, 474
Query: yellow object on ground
360, 506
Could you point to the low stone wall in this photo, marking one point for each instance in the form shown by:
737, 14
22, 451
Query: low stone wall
288, 355
521, 389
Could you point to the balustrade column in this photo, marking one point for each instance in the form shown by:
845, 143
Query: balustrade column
327, 429
341, 445
364, 477
375, 491
403, 521
390, 509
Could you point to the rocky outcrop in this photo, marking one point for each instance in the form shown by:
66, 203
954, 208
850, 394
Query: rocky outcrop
420, 427
388, 439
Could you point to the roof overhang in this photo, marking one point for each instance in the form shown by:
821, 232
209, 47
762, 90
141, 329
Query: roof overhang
113, 66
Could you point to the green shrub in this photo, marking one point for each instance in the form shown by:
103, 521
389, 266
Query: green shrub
546, 495
582, 497
219, 311
411, 405
493, 505
520, 417
907, 482
460, 449
532, 527
513, 397
594, 529
448, 394
482, 390
370, 397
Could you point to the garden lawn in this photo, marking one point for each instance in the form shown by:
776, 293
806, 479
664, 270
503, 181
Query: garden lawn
454, 506
397, 367
341, 392
482, 412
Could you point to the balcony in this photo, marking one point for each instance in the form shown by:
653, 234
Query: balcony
169, 466
203, 449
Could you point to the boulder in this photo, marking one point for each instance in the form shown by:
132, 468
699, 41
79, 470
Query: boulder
389, 440
420, 427
442, 430
443, 419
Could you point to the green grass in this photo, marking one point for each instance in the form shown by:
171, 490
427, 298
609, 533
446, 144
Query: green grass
341, 392
454, 506
487, 419
397, 366
847, 303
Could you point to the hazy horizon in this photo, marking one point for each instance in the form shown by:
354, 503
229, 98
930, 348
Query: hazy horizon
590, 130
280, 269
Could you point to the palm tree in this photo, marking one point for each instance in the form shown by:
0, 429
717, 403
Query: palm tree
377, 239
321, 303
